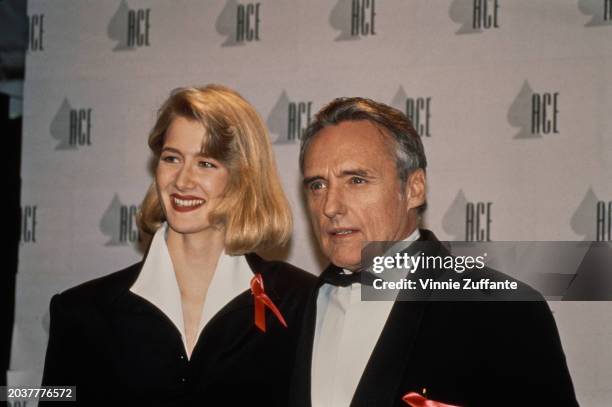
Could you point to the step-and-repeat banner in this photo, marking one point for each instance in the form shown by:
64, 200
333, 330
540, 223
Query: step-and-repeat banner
513, 100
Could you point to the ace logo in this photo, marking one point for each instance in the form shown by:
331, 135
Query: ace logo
363, 14
289, 119
418, 111
604, 221
119, 223
475, 16
417, 108
485, 14
599, 10
592, 219
544, 113
131, 28
354, 19
247, 22
535, 113
470, 221
36, 31
72, 126
29, 222
478, 221
240, 23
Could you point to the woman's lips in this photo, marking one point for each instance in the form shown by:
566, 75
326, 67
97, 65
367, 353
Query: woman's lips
182, 203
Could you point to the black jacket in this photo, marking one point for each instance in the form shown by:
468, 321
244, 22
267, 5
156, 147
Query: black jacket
119, 349
472, 353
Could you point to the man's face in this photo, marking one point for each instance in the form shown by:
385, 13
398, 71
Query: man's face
353, 191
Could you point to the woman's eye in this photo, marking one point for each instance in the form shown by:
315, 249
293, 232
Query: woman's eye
169, 159
206, 164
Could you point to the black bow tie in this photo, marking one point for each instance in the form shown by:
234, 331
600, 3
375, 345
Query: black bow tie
336, 276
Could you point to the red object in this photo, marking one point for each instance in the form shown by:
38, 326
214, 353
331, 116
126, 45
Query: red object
414, 399
261, 302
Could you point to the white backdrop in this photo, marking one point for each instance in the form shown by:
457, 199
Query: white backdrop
114, 62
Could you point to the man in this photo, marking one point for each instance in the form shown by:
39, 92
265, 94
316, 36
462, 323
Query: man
363, 169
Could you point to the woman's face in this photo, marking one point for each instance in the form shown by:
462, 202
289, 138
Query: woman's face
190, 184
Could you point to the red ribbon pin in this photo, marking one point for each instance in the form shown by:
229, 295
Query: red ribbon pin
414, 399
261, 302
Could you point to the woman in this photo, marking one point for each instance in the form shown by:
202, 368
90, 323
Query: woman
202, 319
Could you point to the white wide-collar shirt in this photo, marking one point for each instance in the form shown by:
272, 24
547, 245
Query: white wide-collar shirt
157, 284
346, 332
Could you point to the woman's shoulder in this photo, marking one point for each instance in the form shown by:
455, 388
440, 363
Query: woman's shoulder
282, 275
100, 290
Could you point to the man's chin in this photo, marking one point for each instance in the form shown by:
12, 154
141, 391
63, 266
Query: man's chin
344, 256
348, 264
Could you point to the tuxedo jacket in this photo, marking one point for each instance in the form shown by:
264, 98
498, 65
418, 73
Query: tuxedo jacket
464, 353
119, 349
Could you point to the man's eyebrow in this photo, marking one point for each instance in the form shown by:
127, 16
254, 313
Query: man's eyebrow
356, 172
308, 180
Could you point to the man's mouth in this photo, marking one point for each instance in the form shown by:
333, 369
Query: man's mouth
186, 203
342, 232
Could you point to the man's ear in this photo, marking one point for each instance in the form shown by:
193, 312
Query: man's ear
416, 188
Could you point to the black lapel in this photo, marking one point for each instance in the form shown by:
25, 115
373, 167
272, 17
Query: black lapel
135, 329
300, 392
120, 298
386, 368
128, 307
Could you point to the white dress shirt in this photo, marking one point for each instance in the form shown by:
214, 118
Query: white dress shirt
346, 332
157, 284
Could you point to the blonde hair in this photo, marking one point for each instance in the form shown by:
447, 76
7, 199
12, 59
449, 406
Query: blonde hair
254, 210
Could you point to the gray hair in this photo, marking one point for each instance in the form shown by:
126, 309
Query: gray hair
409, 151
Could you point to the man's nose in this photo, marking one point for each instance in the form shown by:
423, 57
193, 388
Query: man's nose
185, 178
334, 203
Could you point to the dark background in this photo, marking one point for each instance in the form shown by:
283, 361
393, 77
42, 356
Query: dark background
13, 44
